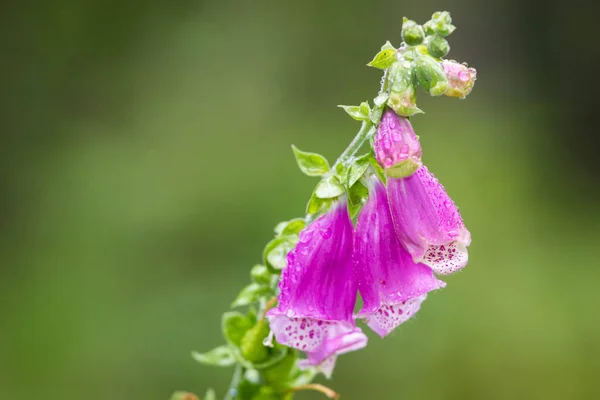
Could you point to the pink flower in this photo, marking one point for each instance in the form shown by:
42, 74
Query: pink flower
391, 284
428, 223
318, 293
461, 79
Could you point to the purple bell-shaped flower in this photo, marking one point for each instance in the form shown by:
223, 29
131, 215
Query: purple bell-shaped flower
318, 293
391, 284
428, 223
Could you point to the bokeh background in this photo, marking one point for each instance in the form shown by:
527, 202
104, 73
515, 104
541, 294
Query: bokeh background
145, 158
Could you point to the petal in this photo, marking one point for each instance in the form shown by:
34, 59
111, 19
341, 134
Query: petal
389, 316
320, 340
386, 272
318, 280
425, 217
446, 259
325, 367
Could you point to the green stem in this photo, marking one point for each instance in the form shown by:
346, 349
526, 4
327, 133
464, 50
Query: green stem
235, 381
356, 144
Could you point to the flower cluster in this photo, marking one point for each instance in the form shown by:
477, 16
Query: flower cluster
379, 225
407, 231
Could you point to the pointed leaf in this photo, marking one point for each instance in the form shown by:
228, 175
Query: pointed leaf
260, 274
365, 110
250, 294
380, 100
357, 169
329, 188
276, 251
312, 164
357, 195
316, 204
290, 227
234, 326
384, 59
221, 356
359, 113
387, 46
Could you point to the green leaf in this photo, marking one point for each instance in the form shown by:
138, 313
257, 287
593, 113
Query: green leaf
329, 187
234, 326
359, 113
210, 395
260, 274
316, 204
311, 164
341, 171
378, 169
365, 109
221, 356
358, 195
357, 169
276, 354
380, 100
250, 294
290, 227
387, 46
384, 59
276, 251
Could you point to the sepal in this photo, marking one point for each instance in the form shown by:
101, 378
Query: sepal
439, 24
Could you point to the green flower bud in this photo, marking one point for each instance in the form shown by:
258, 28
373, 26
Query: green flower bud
252, 346
260, 274
404, 103
412, 33
440, 24
430, 75
438, 46
402, 98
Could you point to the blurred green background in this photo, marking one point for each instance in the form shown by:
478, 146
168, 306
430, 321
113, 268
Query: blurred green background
145, 158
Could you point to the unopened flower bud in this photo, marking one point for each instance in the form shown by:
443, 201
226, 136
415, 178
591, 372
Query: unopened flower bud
438, 46
440, 24
412, 33
252, 346
404, 103
402, 97
430, 75
460, 79
396, 146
